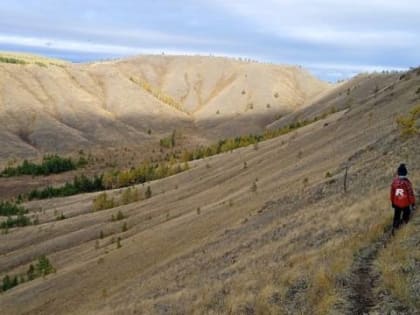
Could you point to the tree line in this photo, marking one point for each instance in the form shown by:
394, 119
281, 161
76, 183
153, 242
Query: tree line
109, 180
230, 144
42, 268
51, 164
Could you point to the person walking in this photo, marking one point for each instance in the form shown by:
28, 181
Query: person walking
402, 197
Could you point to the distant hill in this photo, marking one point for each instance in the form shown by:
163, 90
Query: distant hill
54, 106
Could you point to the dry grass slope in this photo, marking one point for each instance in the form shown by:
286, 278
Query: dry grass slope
287, 246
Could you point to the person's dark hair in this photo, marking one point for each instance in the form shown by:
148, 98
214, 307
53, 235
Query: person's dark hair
402, 170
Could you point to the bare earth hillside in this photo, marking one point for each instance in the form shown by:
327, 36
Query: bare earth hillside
51, 106
265, 229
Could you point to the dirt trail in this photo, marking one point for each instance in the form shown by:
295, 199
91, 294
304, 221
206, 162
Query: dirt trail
364, 278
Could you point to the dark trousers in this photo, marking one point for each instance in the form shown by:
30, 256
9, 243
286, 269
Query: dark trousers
397, 216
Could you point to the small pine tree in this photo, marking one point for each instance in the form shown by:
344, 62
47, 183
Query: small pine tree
6, 283
31, 272
300, 154
254, 187
15, 281
245, 165
44, 267
124, 227
101, 234
119, 242
119, 216
148, 192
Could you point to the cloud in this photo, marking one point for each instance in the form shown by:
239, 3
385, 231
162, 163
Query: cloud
356, 23
330, 37
97, 48
353, 38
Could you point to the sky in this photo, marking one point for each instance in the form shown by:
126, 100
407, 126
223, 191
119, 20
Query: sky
333, 39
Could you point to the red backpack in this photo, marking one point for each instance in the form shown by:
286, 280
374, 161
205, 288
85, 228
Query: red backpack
400, 193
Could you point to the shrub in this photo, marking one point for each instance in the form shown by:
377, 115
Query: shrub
7, 209
102, 202
41, 64
12, 60
61, 217
119, 216
130, 195
407, 124
19, 221
170, 141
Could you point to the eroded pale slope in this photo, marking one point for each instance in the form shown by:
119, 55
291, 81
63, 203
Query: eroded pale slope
63, 107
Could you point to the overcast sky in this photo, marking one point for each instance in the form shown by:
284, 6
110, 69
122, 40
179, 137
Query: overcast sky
333, 39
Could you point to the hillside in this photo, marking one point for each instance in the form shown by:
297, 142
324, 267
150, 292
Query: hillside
265, 229
51, 106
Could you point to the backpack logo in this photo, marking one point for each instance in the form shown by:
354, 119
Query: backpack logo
399, 192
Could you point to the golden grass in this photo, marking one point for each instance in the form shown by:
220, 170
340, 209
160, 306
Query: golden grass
128, 195
336, 259
395, 265
32, 58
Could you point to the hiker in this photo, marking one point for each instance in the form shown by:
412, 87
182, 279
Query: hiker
402, 197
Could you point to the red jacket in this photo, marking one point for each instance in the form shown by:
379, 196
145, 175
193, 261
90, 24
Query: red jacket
402, 194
